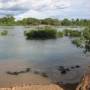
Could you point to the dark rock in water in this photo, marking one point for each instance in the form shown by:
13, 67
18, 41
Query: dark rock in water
28, 69
77, 66
67, 69
72, 67
60, 68
20, 72
63, 72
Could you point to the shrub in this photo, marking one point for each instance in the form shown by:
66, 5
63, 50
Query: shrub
60, 34
86, 33
41, 34
72, 33
4, 33
77, 42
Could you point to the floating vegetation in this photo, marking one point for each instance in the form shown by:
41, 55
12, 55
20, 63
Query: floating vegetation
72, 33
60, 34
77, 42
3, 33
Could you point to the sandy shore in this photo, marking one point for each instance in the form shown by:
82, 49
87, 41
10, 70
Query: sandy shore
34, 87
29, 78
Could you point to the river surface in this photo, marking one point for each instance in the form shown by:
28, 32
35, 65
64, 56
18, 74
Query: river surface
44, 55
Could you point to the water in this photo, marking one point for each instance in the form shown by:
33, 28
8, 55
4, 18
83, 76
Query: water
15, 46
44, 55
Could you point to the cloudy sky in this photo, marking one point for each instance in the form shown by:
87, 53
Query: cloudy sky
46, 8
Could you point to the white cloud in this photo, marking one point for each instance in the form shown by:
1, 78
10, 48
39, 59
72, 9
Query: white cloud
45, 8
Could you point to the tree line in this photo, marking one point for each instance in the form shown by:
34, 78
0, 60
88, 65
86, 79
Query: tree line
10, 20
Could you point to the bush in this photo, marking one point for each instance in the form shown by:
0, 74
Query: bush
4, 33
86, 33
77, 42
41, 34
60, 34
72, 33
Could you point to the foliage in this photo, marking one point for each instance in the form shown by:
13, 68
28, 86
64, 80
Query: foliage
10, 20
72, 33
7, 20
3, 33
41, 34
66, 22
87, 46
50, 21
77, 42
84, 40
60, 34
86, 33
28, 21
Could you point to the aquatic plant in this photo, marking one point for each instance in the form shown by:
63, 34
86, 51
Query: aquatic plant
77, 42
43, 34
60, 34
3, 33
72, 33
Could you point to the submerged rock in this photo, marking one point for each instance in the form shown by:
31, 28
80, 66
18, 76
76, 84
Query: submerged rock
18, 72
12, 73
77, 66
44, 74
63, 72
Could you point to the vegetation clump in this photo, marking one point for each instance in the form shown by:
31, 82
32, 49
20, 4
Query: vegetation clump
3, 33
60, 34
72, 33
41, 34
86, 33
84, 40
77, 42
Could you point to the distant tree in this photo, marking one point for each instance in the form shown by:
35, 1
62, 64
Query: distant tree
7, 20
50, 21
66, 22
30, 21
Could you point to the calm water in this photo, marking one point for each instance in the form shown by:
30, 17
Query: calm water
39, 54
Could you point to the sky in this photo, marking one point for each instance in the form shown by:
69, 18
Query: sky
46, 8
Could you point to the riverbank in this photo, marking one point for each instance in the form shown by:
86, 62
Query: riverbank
17, 72
34, 87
